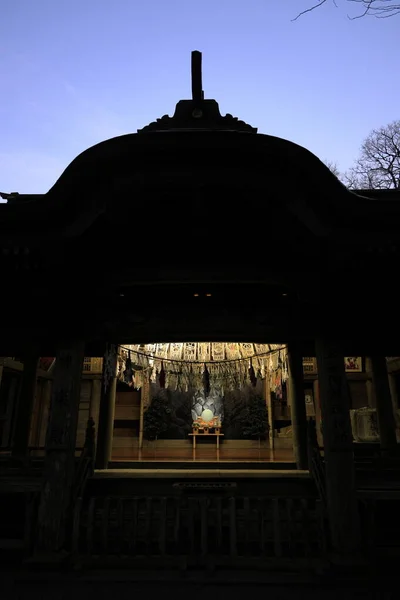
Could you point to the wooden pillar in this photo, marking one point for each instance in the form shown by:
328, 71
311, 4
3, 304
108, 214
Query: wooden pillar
318, 416
25, 406
141, 423
270, 411
60, 448
384, 406
368, 384
145, 399
2, 437
370, 394
95, 399
395, 402
106, 420
393, 391
298, 406
12, 403
46, 401
338, 448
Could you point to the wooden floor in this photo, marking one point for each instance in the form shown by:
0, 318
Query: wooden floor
218, 472
207, 455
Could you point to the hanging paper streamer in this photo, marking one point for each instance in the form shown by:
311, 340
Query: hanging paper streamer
218, 351
246, 350
175, 351
252, 376
235, 371
128, 373
162, 350
206, 381
190, 351
203, 352
161, 379
139, 379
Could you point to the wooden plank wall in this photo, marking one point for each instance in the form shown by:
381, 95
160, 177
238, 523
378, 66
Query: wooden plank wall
88, 406
126, 426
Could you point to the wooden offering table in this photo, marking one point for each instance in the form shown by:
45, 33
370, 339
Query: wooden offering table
203, 432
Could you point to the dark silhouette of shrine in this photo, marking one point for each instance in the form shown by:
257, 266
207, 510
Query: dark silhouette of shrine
198, 228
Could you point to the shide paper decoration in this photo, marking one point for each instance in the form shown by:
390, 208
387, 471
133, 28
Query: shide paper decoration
197, 366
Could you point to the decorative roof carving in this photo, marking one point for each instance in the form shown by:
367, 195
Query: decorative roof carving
198, 114
189, 117
9, 197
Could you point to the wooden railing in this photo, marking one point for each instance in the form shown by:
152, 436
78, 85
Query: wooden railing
208, 531
199, 529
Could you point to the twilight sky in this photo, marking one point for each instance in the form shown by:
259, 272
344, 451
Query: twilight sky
76, 72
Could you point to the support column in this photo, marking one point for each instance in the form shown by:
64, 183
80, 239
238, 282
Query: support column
298, 406
25, 406
318, 416
270, 412
384, 406
395, 401
46, 401
95, 405
60, 448
2, 437
338, 448
141, 424
106, 419
12, 401
393, 391
368, 384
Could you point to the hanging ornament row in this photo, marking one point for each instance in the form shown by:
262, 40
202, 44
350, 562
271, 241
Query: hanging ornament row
134, 368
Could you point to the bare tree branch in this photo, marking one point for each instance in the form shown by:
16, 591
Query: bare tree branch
381, 9
320, 3
333, 167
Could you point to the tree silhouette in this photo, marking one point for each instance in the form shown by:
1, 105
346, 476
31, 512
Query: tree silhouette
255, 419
156, 418
378, 166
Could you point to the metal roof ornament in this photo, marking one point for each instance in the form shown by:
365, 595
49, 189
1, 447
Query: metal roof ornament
197, 77
198, 113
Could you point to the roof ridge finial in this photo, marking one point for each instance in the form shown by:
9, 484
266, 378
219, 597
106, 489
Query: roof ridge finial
197, 84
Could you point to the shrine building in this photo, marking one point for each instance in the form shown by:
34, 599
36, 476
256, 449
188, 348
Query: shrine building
198, 304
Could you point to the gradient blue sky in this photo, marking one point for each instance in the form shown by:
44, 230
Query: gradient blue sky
76, 72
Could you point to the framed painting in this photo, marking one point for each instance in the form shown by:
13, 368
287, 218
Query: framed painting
353, 364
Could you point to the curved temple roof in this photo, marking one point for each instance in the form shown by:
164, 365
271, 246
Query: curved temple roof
198, 158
